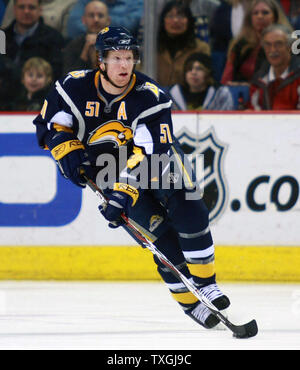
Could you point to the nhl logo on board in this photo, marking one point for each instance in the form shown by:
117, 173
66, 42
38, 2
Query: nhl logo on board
213, 183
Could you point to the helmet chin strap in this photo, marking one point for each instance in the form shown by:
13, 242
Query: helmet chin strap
105, 75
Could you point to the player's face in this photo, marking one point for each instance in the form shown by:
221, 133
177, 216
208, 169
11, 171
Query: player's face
95, 17
34, 80
261, 17
277, 49
196, 77
27, 12
119, 66
175, 22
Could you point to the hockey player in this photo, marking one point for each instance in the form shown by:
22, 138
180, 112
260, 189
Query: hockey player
115, 112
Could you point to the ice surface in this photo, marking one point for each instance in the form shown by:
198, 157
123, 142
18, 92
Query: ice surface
139, 315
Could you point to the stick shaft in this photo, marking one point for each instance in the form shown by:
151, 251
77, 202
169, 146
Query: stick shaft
149, 245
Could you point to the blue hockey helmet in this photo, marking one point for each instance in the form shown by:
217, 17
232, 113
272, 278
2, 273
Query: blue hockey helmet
116, 38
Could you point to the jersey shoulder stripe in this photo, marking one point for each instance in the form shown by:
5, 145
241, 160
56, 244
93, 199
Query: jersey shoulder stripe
81, 124
150, 111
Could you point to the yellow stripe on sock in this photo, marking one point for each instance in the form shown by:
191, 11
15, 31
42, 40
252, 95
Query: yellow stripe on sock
202, 271
186, 298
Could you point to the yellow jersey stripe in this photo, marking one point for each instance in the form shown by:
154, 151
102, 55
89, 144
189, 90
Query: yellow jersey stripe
187, 177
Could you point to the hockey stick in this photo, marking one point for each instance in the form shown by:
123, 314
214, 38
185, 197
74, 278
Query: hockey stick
239, 331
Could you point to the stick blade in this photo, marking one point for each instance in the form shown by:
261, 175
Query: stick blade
246, 331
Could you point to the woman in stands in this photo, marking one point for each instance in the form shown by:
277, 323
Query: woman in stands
176, 42
245, 54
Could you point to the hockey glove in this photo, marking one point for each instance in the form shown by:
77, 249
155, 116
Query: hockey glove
70, 155
120, 200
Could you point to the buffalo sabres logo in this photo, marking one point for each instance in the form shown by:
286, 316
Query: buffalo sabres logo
215, 189
111, 132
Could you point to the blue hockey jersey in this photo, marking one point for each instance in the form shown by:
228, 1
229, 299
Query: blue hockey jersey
139, 120
140, 116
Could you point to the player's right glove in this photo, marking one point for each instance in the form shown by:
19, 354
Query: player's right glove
120, 200
70, 156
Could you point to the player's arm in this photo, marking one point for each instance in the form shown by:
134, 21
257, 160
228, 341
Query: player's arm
56, 131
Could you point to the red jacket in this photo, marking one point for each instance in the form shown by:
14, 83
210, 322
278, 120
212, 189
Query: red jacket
276, 94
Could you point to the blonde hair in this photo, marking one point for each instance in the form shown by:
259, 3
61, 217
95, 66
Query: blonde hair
247, 32
40, 65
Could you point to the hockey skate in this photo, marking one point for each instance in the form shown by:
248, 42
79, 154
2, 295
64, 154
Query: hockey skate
201, 314
215, 296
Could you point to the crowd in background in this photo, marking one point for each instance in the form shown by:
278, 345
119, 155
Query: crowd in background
211, 54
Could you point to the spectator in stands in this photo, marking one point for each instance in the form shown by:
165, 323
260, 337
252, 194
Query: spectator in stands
80, 52
292, 11
7, 94
27, 36
36, 82
225, 25
246, 54
3, 4
199, 91
122, 13
205, 8
277, 85
176, 42
203, 12
55, 13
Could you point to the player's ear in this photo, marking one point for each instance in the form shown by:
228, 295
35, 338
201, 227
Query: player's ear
101, 66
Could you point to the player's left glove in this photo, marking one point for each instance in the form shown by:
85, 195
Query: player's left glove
120, 200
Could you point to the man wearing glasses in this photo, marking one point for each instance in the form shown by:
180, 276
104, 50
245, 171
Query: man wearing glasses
277, 85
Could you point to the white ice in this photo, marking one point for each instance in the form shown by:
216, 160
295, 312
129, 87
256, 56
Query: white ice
139, 315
